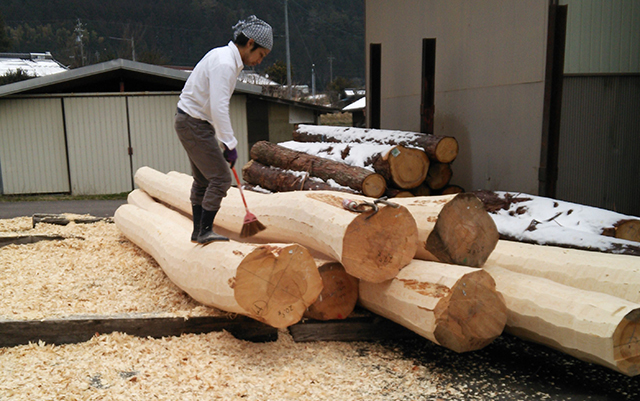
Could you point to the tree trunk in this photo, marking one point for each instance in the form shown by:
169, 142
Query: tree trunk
439, 175
405, 168
274, 284
616, 275
278, 180
443, 149
454, 306
452, 228
339, 293
357, 178
371, 247
590, 326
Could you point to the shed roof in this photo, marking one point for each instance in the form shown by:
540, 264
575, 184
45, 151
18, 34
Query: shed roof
36, 64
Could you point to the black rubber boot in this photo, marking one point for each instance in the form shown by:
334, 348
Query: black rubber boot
197, 216
206, 228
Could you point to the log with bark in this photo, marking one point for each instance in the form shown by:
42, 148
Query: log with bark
454, 306
616, 275
278, 180
590, 326
370, 246
439, 175
339, 293
357, 178
402, 167
443, 149
452, 228
273, 283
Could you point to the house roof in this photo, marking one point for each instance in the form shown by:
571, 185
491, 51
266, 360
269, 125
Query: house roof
36, 64
357, 105
110, 76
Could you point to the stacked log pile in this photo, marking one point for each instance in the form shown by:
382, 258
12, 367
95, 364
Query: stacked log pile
365, 256
370, 162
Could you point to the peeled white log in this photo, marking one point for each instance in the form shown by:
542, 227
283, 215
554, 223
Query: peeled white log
372, 249
454, 306
452, 229
590, 326
617, 275
274, 284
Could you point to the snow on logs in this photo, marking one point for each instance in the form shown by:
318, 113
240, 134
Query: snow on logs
272, 283
371, 247
454, 306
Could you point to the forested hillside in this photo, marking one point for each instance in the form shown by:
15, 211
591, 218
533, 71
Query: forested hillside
327, 33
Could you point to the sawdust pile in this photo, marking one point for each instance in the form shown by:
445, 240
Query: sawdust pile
213, 366
95, 271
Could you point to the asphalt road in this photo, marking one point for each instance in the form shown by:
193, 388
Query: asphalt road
97, 208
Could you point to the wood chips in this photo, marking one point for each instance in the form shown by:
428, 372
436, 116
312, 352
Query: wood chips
105, 274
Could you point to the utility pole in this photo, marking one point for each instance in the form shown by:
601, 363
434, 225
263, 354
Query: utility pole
133, 46
286, 29
79, 36
331, 58
313, 80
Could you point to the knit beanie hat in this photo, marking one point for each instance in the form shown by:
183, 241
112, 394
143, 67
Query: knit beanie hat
256, 29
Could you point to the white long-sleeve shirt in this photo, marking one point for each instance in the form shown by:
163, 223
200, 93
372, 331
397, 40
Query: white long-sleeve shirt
207, 92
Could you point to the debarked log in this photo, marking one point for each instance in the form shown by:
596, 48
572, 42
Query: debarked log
452, 229
357, 178
590, 326
278, 180
454, 306
443, 149
273, 284
370, 246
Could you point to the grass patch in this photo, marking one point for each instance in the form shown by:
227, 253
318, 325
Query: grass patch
57, 197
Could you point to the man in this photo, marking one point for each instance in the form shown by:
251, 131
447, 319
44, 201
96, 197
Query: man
203, 118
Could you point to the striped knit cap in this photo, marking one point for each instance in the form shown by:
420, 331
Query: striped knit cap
256, 29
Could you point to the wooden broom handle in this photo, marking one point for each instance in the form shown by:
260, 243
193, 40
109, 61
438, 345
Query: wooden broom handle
240, 187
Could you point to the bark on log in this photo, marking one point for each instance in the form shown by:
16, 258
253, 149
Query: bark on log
357, 178
616, 275
590, 326
372, 249
443, 149
439, 175
278, 180
452, 228
456, 307
274, 283
339, 293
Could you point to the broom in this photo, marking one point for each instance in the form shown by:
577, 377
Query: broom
251, 226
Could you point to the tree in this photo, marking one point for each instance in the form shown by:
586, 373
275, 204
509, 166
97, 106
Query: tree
15, 76
5, 41
277, 72
336, 88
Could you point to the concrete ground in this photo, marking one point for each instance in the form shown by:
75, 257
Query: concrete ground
97, 208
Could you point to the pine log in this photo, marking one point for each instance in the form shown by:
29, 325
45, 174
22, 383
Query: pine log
278, 180
452, 228
439, 175
357, 178
454, 306
590, 326
616, 275
443, 149
422, 190
273, 284
452, 189
371, 247
339, 293
628, 229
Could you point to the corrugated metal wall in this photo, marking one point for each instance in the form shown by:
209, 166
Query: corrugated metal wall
603, 36
99, 132
599, 163
32, 149
98, 142
153, 139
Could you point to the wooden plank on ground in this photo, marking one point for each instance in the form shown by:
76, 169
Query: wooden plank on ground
361, 325
82, 328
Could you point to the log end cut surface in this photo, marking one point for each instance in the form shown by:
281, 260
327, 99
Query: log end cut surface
277, 284
374, 186
629, 230
377, 246
464, 233
626, 341
408, 166
339, 294
473, 315
447, 150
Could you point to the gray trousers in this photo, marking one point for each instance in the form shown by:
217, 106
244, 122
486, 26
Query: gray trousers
211, 173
